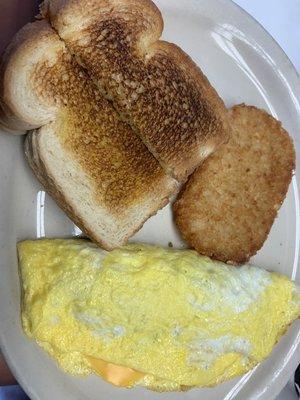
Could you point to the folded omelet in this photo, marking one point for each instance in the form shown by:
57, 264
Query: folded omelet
143, 315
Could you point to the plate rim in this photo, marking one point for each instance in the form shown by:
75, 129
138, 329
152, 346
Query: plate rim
291, 362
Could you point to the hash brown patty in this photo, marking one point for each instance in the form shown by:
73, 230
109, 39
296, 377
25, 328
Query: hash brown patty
228, 206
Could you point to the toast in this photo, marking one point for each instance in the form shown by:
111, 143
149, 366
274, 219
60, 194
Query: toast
92, 163
229, 204
154, 85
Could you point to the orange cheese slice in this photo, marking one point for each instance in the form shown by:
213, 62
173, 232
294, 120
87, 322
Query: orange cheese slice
115, 374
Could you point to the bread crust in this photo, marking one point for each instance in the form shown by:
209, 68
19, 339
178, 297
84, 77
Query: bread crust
16, 64
123, 183
229, 204
154, 85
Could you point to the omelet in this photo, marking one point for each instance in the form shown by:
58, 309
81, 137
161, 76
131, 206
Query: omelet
143, 315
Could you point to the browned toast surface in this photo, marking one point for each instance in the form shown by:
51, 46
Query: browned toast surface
229, 204
154, 85
119, 163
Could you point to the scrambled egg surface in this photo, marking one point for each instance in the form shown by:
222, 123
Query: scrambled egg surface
179, 319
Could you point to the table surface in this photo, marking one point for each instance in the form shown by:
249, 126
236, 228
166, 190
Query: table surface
281, 19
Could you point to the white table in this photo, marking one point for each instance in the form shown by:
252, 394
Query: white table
281, 18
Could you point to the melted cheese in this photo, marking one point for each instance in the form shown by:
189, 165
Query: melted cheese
115, 374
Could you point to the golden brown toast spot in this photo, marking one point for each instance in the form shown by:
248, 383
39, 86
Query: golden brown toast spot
159, 98
229, 204
118, 162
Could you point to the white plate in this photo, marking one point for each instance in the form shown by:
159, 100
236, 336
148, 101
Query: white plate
245, 65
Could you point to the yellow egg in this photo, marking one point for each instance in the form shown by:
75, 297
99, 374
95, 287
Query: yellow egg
161, 318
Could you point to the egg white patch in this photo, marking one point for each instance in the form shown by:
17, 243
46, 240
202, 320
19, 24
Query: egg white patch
296, 296
204, 352
99, 327
234, 287
88, 319
95, 256
176, 331
109, 333
55, 320
205, 306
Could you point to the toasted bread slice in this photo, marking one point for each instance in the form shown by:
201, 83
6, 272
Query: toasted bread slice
153, 84
90, 161
229, 204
